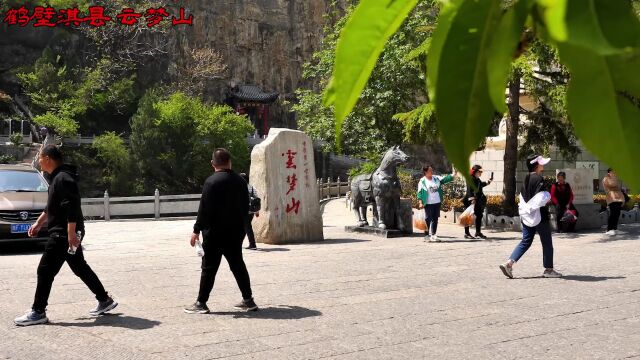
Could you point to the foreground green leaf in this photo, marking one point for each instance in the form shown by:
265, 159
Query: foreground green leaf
361, 42
607, 122
438, 39
463, 105
605, 27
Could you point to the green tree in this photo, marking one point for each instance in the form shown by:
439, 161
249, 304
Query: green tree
173, 137
113, 153
470, 57
65, 97
396, 86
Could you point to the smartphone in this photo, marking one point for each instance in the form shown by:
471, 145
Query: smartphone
492, 175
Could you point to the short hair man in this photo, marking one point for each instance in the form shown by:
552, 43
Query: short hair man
63, 215
223, 210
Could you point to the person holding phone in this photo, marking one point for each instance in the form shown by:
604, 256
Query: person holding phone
475, 195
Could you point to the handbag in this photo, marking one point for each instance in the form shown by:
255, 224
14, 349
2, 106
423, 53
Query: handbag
254, 203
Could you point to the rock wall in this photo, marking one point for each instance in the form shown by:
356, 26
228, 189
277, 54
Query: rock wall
263, 42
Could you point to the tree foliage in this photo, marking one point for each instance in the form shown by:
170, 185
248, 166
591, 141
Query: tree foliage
174, 136
598, 41
395, 86
64, 98
117, 173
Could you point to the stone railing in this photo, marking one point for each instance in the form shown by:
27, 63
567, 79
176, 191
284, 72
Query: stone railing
157, 206
331, 190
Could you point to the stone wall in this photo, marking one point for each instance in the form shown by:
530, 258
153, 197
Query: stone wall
493, 160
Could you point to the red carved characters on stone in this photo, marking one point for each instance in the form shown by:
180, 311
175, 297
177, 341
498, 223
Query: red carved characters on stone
290, 155
294, 206
292, 180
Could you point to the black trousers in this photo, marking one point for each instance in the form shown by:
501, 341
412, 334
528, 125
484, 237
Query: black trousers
213, 254
614, 215
55, 254
249, 230
478, 211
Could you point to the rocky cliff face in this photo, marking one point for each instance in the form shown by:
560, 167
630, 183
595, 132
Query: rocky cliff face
263, 42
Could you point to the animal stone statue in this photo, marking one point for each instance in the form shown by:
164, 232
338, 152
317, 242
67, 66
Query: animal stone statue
380, 189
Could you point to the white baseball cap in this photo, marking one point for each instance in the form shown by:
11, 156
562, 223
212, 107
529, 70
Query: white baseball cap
540, 160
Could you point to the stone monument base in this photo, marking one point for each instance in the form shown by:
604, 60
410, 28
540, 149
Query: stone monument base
588, 219
389, 233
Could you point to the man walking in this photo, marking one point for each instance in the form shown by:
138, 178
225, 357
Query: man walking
221, 219
63, 216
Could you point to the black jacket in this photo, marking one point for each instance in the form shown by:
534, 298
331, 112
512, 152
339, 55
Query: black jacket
223, 208
63, 204
533, 184
478, 193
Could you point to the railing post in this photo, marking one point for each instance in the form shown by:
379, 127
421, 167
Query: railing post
319, 184
79, 139
329, 188
156, 203
338, 186
107, 214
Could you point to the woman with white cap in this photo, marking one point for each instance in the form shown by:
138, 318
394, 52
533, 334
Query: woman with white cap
535, 218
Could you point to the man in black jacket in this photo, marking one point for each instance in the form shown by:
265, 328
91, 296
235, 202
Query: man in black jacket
221, 219
63, 215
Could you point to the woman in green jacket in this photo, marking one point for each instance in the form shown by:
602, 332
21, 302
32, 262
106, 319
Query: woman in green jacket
430, 196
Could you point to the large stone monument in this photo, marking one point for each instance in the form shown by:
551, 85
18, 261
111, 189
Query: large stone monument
283, 173
581, 181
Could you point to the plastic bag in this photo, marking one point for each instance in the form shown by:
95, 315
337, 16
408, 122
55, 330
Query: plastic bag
419, 221
468, 218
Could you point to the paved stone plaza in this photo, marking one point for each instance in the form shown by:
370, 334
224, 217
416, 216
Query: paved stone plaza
350, 297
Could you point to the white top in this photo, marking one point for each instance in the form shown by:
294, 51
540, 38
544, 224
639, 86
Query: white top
431, 186
530, 211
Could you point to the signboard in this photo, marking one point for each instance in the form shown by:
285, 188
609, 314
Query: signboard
581, 181
594, 166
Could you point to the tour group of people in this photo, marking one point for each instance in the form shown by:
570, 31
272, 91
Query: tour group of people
227, 207
535, 195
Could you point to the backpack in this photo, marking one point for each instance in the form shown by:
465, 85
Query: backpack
254, 202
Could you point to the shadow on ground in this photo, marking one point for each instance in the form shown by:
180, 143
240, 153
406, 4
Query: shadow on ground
581, 278
21, 248
278, 312
270, 249
338, 241
112, 320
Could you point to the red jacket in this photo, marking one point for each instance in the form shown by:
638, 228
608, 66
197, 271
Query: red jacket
558, 193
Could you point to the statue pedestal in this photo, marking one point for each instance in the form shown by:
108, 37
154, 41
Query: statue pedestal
389, 233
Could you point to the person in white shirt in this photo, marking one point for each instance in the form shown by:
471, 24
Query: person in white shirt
430, 197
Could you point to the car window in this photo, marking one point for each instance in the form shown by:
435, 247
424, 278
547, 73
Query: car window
21, 181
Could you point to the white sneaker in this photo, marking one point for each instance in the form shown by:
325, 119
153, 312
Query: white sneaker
611, 233
434, 238
551, 274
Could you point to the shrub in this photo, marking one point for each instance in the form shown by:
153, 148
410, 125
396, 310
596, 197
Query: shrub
6, 159
16, 139
602, 200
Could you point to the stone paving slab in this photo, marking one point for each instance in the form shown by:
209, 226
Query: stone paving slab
352, 296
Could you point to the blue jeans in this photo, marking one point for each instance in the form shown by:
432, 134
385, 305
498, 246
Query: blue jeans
432, 213
544, 230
